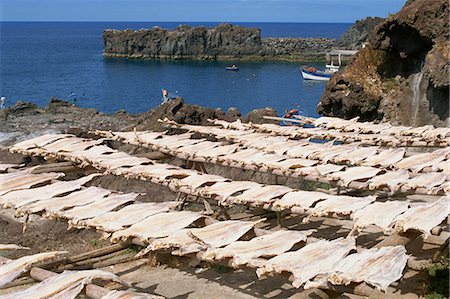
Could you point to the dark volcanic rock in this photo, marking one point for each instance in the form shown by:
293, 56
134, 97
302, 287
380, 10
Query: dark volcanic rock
222, 42
183, 113
402, 75
354, 38
184, 42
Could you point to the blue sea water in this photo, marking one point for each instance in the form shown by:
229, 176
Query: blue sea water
39, 60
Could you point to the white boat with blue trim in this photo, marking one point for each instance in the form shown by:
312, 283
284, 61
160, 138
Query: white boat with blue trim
311, 73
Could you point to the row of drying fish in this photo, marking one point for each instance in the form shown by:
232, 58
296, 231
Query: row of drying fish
163, 229
275, 197
390, 137
67, 285
350, 154
352, 125
233, 155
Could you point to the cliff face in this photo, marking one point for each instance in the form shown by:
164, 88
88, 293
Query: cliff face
222, 42
184, 42
402, 76
357, 35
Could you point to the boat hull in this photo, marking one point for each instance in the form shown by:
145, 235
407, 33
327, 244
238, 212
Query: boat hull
314, 76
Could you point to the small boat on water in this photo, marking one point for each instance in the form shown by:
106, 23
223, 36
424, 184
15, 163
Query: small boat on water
232, 68
311, 73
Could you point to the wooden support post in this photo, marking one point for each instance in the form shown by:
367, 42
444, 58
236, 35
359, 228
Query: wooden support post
399, 239
39, 274
279, 218
208, 209
55, 167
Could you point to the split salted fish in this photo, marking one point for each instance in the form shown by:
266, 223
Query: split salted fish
299, 199
354, 174
66, 285
21, 198
380, 214
391, 179
426, 180
221, 233
268, 245
197, 180
225, 189
259, 195
39, 141
77, 198
127, 216
356, 156
309, 261
24, 181
385, 158
11, 269
158, 226
180, 241
377, 266
341, 204
98, 207
419, 161
423, 217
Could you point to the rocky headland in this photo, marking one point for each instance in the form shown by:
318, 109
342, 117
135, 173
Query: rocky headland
224, 42
402, 75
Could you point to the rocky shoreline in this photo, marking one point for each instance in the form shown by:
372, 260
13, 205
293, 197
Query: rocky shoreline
25, 120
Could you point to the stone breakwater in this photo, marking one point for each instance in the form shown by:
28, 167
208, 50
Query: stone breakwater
224, 42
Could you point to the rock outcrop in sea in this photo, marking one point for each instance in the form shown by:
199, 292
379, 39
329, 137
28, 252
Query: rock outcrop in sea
224, 42
402, 76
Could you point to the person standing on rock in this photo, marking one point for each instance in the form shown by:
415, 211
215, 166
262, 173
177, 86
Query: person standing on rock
2, 102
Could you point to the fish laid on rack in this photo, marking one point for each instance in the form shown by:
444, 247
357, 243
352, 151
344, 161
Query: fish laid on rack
11, 269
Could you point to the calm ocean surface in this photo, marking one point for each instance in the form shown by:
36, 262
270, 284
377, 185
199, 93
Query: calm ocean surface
40, 60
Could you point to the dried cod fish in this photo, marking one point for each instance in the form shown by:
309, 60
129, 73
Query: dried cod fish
158, 226
356, 156
66, 285
98, 207
426, 180
380, 214
37, 142
74, 199
309, 261
259, 195
391, 179
300, 199
225, 189
15, 182
268, 245
354, 174
181, 241
340, 204
11, 269
385, 158
419, 161
129, 215
377, 266
222, 233
21, 198
195, 181
423, 217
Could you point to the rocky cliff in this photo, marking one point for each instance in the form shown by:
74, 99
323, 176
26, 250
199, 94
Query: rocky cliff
222, 42
402, 76
357, 35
